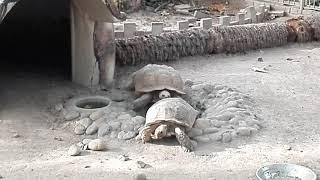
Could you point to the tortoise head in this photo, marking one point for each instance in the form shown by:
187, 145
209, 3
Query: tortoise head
161, 131
164, 94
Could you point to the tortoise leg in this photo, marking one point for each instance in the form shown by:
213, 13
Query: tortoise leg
183, 139
145, 134
142, 101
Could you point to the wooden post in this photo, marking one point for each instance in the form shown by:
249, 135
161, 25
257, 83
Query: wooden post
301, 6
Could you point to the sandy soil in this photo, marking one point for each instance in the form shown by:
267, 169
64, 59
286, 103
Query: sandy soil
288, 96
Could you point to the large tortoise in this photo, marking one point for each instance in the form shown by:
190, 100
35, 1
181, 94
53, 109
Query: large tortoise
154, 82
168, 117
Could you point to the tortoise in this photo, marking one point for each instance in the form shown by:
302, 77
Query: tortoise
154, 82
169, 117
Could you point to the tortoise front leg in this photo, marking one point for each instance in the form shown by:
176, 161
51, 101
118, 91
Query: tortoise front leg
183, 139
142, 101
145, 135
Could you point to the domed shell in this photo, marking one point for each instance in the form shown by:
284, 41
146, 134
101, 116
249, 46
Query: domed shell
175, 110
154, 77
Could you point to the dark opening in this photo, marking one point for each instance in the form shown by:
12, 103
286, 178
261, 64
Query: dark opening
35, 37
92, 104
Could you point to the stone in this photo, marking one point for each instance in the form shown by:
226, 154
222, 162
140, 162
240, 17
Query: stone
92, 129
206, 23
118, 96
129, 29
142, 165
58, 138
183, 25
194, 143
114, 134
97, 145
131, 113
58, 107
140, 176
200, 15
16, 135
195, 132
123, 158
224, 20
215, 137
74, 150
86, 122
127, 126
188, 83
157, 28
86, 141
244, 131
79, 129
210, 130
202, 123
218, 124
124, 117
115, 126
225, 117
104, 130
138, 120
71, 115
96, 115
226, 137
203, 139
126, 135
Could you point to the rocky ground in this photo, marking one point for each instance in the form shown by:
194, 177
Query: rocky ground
35, 144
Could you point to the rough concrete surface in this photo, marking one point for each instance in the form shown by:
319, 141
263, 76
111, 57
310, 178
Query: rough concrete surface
288, 96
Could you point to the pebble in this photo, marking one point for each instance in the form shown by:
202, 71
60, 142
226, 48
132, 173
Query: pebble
138, 120
232, 104
215, 137
97, 145
141, 164
195, 132
225, 117
104, 130
124, 117
127, 126
244, 131
79, 129
58, 138
126, 135
217, 123
96, 115
210, 130
93, 128
203, 139
123, 158
202, 123
86, 122
71, 115
16, 135
260, 59
226, 137
140, 177
115, 126
58, 107
188, 82
74, 150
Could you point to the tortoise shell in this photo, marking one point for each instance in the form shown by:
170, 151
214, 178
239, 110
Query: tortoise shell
155, 77
174, 110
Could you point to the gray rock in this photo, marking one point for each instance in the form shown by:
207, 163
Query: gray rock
140, 176
210, 130
142, 165
74, 150
16, 135
123, 158
188, 82
194, 143
127, 126
86, 122
114, 134
132, 113
226, 137
104, 130
115, 126
96, 115
124, 117
202, 123
97, 145
126, 135
203, 139
79, 129
118, 96
225, 117
215, 137
71, 115
195, 132
244, 131
92, 129
138, 120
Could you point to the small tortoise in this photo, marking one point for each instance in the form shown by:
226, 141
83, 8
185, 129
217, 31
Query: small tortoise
154, 82
168, 117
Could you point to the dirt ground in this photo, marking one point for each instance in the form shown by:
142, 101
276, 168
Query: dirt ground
288, 97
